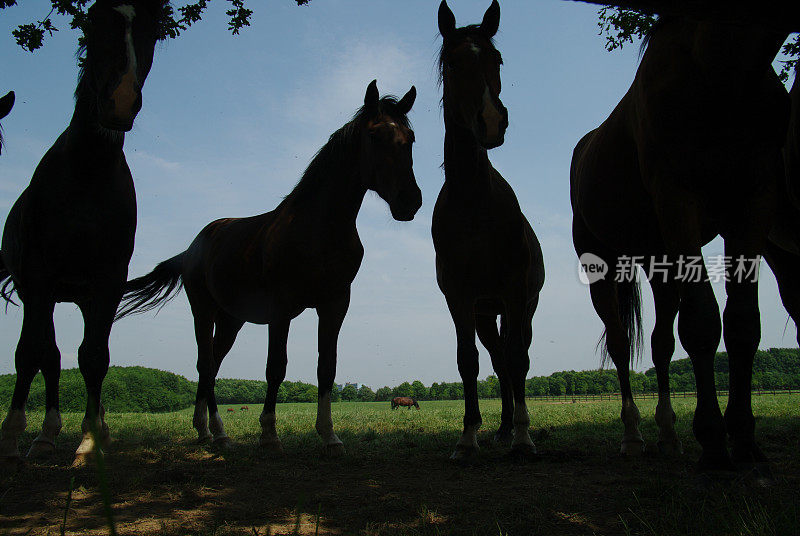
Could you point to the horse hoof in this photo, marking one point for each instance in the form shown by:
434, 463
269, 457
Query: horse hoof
632, 447
464, 454
669, 448
202, 440
81, 460
503, 438
336, 450
41, 449
221, 443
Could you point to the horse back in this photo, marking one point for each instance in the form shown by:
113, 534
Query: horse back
270, 266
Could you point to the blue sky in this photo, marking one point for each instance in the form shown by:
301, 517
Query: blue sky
229, 123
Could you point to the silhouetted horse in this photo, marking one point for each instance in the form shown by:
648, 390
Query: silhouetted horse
783, 249
406, 401
6, 103
69, 236
267, 269
488, 259
691, 151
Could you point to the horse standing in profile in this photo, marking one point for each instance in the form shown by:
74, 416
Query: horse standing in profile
488, 259
406, 401
6, 103
692, 151
69, 236
267, 269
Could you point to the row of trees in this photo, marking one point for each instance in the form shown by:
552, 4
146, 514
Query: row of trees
140, 389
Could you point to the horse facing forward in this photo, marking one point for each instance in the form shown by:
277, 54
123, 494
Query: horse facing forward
269, 268
406, 401
488, 259
69, 236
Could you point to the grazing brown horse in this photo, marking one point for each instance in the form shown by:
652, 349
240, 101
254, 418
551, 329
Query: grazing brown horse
244, 408
488, 259
267, 269
406, 401
692, 151
69, 236
6, 103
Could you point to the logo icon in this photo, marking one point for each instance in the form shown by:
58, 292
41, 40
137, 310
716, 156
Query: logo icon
591, 268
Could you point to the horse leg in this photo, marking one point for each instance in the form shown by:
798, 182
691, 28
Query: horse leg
741, 323
786, 266
226, 328
486, 327
463, 315
93, 360
37, 344
699, 330
276, 372
331, 315
205, 405
605, 298
662, 341
520, 336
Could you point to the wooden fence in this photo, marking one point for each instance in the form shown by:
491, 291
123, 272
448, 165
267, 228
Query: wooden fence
648, 396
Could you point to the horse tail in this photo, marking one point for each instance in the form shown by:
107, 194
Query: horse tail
629, 300
153, 290
6, 283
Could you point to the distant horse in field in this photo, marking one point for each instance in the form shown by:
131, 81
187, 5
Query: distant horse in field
692, 151
406, 401
69, 237
244, 408
231, 410
488, 259
6, 103
267, 269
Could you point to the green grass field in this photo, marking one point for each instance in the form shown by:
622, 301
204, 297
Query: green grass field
396, 477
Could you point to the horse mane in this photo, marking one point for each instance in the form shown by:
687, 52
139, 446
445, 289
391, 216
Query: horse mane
459, 34
661, 22
337, 153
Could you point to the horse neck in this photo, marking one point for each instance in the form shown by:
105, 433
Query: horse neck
86, 134
466, 164
336, 191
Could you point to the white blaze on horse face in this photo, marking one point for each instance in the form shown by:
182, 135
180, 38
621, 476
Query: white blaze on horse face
126, 93
324, 424
492, 118
13, 425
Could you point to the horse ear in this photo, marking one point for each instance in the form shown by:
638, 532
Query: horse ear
372, 97
405, 104
7, 102
447, 21
491, 20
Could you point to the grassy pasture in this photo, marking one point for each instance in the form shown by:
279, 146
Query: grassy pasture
396, 477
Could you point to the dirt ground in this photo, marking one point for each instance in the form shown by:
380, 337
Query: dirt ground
402, 482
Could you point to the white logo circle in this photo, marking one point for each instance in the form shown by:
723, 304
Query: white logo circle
591, 268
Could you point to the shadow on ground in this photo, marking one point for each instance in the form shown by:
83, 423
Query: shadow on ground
403, 483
